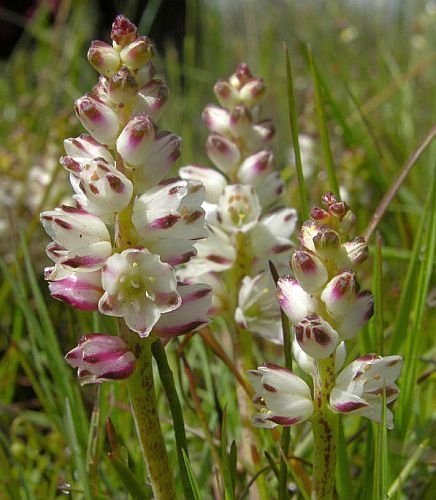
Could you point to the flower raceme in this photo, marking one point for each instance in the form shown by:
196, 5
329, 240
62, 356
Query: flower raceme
115, 249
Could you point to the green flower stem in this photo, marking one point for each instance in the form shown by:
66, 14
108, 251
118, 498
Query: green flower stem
325, 432
143, 403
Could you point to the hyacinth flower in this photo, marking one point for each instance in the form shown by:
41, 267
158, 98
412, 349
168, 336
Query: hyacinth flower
115, 248
326, 307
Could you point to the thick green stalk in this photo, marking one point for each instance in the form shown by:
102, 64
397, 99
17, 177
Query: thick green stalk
325, 432
144, 408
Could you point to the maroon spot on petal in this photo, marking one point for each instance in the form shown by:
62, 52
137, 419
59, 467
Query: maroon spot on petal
192, 217
119, 374
85, 261
199, 294
289, 217
281, 248
274, 366
164, 222
104, 356
63, 224
173, 331
218, 259
368, 357
175, 189
321, 336
284, 420
115, 183
349, 406
77, 303
269, 388
299, 331
93, 188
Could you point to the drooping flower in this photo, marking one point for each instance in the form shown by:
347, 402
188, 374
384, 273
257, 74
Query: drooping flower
360, 386
282, 397
101, 358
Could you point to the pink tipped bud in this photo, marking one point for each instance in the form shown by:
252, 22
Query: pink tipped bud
216, 119
151, 98
319, 215
123, 31
138, 53
340, 293
361, 312
122, 86
135, 139
316, 337
261, 134
338, 210
240, 121
101, 358
308, 231
222, 152
226, 94
327, 242
348, 223
104, 58
309, 271
241, 76
252, 92
255, 166
100, 91
328, 199
145, 74
98, 119
357, 250
86, 147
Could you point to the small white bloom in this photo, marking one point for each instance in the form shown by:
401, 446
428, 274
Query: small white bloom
294, 300
238, 208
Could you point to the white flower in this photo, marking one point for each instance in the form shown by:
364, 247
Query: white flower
294, 300
359, 387
316, 336
238, 208
286, 396
139, 288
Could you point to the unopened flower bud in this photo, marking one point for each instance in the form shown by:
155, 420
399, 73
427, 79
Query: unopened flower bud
308, 231
260, 135
213, 181
98, 119
309, 271
358, 316
357, 250
320, 216
226, 94
328, 199
327, 242
137, 53
101, 358
252, 92
340, 293
348, 222
122, 86
145, 74
316, 336
241, 76
338, 210
100, 91
216, 119
123, 31
240, 121
151, 99
104, 58
255, 166
86, 147
223, 152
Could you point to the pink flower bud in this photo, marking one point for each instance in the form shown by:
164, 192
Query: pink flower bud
328, 199
86, 147
122, 86
216, 119
101, 358
191, 315
98, 119
257, 165
222, 152
309, 271
320, 216
240, 122
348, 222
241, 76
149, 154
340, 293
104, 58
252, 92
145, 74
123, 31
226, 94
137, 53
316, 337
327, 242
81, 289
295, 302
151, 98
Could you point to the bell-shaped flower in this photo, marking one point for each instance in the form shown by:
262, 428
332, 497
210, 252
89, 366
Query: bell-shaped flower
223, 152
360, 386
149, 154
308, 364
104, 58
151, 98
226, 94
81, 149
191, 315
170, 215
81, 289
81, 239
339, 295
101, 358
214, 182
98, 119
106, 189
258, 311
139, 288
316, 337
309, 271
217, 119
295, 302
238, 208
286, 397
